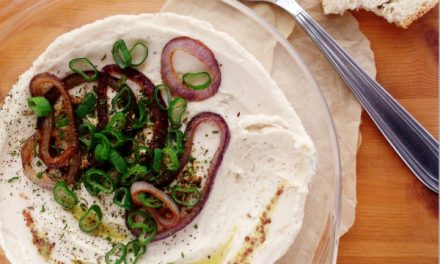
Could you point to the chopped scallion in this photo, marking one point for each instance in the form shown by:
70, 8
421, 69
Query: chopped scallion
86, 132
122, 198
149, 201
134, 174
134, 252
176, 110
134, 51
61, 121
102, 149
121, 54
175, 141
91, 219
117, 122
118, 161
64, 196
170, 159
87, 105
146, 223
142, 117
116, 255
80, 65
186, 196
197, 81
162, 93
122, 101
157, 160
40, 106
100, 181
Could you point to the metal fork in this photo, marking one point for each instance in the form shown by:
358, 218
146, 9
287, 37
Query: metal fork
417, 148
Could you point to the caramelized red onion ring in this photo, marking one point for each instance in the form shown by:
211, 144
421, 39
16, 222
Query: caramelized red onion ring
44, 180
40, 85
188, 215
74, 167
133, 75
160, 118
27, 151
74, 80
172, 215
172, 79
70, 82
101, 106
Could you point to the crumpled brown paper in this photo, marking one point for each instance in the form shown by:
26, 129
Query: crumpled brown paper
344, 107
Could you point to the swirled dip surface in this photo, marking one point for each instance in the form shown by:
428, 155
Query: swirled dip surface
256, 207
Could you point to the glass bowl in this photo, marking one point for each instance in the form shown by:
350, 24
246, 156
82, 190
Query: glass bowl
28, 27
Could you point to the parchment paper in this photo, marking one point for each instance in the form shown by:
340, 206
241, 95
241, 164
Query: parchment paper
344, 107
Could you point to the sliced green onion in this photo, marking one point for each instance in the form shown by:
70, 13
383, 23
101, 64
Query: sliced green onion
176, 110
141, 220
170, 159
102, 152
117, 139
134, 252
100, 180
123, 199
131, 158
134, 174
146, 237
92, 191
102, 149
117, 122
61, 121
122, 101
160, 90
64, 196
40, 106
142, 110
197, 80
91, 219
149, 201
146, 223
157, 160
186, 196
87, 63
124, 57
144, 56
118, 161
86, 132
121, 54
142, 151
175, 140
116, 255
87, 105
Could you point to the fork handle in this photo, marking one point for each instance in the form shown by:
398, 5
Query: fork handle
417, 148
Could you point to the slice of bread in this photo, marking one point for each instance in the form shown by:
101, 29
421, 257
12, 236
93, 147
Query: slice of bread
399, 12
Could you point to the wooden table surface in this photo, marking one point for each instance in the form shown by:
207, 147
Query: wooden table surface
396, 217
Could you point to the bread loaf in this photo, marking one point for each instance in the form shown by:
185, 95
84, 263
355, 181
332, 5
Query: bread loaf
399, 12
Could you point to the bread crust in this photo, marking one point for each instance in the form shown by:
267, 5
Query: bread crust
418, 14
404, 23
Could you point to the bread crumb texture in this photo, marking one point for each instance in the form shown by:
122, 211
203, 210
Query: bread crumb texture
400, 12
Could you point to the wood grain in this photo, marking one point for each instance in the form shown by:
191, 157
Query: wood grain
396, 218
